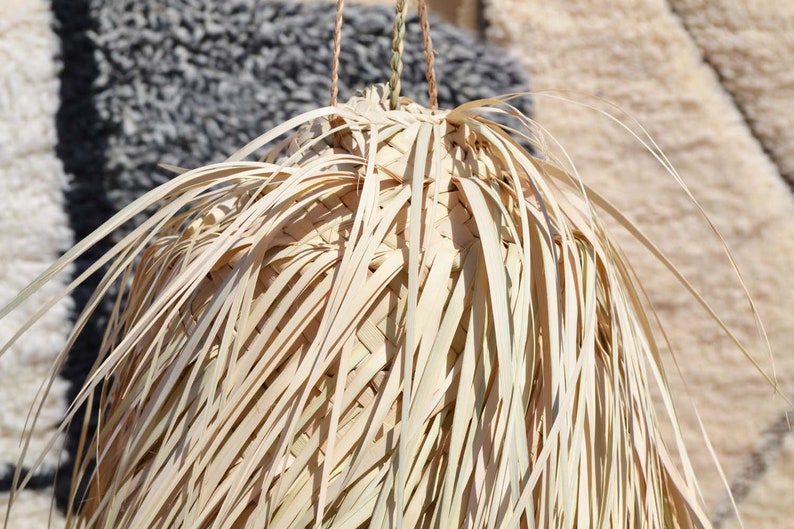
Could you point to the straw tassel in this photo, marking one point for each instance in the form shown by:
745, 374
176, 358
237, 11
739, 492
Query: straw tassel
416, 325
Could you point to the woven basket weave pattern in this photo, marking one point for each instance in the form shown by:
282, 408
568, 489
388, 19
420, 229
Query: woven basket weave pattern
273, 356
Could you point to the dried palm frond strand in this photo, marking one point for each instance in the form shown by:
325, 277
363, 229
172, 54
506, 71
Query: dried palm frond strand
416, 324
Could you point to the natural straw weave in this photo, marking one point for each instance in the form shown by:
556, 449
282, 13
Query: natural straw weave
407, 321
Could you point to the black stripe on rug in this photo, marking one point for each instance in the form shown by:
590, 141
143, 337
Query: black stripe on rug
39, 481
83, 138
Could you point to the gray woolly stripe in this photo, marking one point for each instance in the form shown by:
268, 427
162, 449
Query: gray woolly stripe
187, 82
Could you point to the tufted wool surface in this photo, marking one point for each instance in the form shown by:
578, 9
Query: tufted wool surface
33, 230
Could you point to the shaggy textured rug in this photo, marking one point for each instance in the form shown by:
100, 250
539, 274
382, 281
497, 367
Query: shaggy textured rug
95, 94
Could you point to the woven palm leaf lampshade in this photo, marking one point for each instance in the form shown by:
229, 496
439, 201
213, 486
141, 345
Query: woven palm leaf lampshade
396, 317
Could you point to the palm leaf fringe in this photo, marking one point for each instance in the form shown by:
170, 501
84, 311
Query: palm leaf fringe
393, 319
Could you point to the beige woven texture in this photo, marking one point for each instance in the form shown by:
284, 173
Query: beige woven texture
314, 240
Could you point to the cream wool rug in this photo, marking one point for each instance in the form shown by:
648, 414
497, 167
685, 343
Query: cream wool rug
33, 230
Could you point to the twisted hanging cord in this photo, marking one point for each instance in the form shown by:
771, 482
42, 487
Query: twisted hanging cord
340, 5
430, 66
397, 53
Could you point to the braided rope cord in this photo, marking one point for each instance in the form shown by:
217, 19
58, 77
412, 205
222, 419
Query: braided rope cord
430, 68
398, 41
340, 6
401, 13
